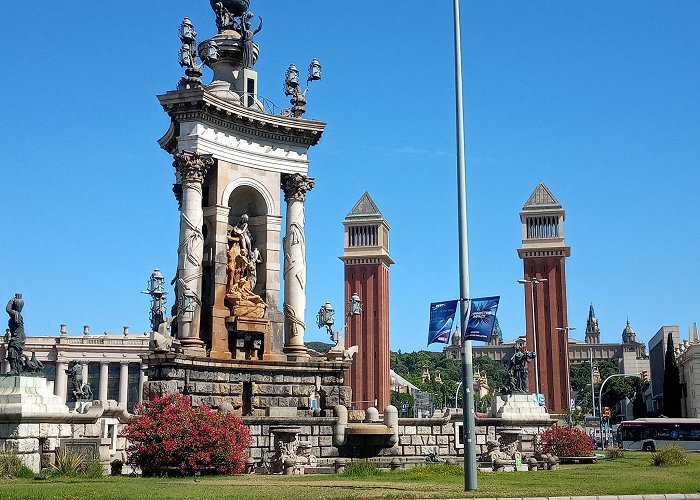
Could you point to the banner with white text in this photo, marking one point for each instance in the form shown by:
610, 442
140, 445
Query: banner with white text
482, 318
442, 315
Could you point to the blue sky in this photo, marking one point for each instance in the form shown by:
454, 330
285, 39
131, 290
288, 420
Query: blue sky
598, 99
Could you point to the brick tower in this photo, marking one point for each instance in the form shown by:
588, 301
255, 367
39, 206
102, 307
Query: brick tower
367, 261
544, 253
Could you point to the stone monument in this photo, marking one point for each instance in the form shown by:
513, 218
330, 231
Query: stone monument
238, 167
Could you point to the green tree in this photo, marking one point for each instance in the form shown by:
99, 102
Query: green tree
639, 407
672, 382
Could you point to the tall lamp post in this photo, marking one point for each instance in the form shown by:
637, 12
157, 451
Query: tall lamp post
566, 330
590, 355
533, 282
469, 429
600, 402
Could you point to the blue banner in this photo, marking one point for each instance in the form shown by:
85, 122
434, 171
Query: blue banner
482, 318
442, 315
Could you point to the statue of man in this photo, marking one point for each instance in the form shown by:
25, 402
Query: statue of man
76, 375
247, 38
15, 334
517, 370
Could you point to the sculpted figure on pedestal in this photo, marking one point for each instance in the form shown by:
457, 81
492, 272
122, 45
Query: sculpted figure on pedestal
517, 371
247, 38
15, 334
81, 391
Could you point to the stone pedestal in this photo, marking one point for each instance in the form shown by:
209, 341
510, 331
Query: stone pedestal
516, 409
26, 405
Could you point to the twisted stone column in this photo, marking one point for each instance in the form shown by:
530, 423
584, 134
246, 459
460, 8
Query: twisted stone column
190, 169
295, 187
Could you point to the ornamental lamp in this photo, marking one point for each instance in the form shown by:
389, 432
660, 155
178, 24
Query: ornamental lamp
187, 302
156, 283
314, 70
210, 52
291, 81
325, 316
185, 57
187, 32
355, 305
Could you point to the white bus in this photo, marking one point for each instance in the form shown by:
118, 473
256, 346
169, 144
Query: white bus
651, 434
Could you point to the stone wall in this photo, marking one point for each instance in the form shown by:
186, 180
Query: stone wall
420, 436
317, 430
251, 388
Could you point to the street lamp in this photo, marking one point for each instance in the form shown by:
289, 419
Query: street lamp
567, 329
533, 282
600, 402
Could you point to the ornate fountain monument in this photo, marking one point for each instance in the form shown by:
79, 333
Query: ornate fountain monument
238, 166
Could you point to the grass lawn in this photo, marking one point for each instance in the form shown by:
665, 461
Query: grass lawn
630, 475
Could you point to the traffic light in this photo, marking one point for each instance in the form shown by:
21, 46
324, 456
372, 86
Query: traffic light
606, 413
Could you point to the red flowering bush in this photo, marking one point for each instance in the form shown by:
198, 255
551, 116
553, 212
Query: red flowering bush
565, 442
169, 434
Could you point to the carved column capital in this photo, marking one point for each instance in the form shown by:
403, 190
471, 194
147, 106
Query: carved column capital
295, 186
192, 167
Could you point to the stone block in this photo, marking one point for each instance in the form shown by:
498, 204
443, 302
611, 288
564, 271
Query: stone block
423, 429
329, 451
325, 441
417, 440
444, 451
261, 378
404, 440
277, 411
32, 461
304, 430
203, 387
325, 430
18, 431
437, 429
302, 390
408, 451
410, 430
443, 440
221, 377
26, 445
448, 428
329, 380
430, 440
480, 439
256, 453
254, 430
159, 388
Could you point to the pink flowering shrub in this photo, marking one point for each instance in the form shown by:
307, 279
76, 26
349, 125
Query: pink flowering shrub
565, 442
169, 434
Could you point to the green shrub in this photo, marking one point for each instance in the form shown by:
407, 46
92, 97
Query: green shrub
94, 469
613, 452
68, 464
670, 456
10, 464
362, 469
432, 470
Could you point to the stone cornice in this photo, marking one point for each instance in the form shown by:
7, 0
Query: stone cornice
200, 105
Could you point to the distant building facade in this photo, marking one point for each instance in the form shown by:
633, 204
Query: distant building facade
688, 359
657, 362
111, 363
